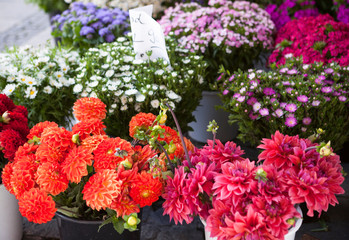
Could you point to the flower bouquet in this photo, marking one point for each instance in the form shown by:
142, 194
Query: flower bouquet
292, 98
232, 34
239, 199
317, 39
41, 80
13, 129
287, 10
85, 25
85, 174
128, 86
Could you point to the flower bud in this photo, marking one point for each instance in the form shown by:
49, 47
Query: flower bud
126, 163
326, 150
171, 148
75, 139
291, 221
5, 118
132, 221
163, 118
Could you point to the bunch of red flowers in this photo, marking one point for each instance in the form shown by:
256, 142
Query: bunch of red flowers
316, 39
241, 200
13, 129
83, 169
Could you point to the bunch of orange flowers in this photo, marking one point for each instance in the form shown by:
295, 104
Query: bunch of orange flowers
85, 169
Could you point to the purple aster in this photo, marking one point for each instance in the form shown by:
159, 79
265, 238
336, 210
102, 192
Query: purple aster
306, 120
292, 71
318, 81
286, 83
86, 30
283, 104
279, 112
328, 70
327, 99
316, 103
256, 106
268, 91
251, 101
291, 122
291, 107
236, 95
302, 98
97, 25
283, 70
289, 90
253, 117
326, 89
231, 78
342, 98
241, 99
264, 112
225, 92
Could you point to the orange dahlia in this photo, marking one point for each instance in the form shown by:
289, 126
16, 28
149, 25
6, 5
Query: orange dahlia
50, 178
145, 189
111, 152
89, 108
89, 127
21, 182
101, 189
92, 142
26, 149
169, 135
142, 155
76, 162
124, 205
46, 153
56, 137
37, 206
7, 172
141, 121
39, 128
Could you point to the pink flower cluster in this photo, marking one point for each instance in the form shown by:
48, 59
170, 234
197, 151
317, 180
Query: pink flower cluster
223, 24
317, 39
241, 200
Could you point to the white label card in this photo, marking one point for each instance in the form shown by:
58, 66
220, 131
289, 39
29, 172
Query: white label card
147, 34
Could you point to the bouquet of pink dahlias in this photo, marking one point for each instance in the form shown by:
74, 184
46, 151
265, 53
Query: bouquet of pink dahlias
232, 34
316, 39
238, 199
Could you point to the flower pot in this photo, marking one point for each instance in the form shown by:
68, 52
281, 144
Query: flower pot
205, 113
11, 221
289, 236
72, 229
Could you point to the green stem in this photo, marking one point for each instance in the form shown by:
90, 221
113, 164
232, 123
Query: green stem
167, 156
181, 135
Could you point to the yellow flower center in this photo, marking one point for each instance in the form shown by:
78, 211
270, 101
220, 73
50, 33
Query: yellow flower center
32, 92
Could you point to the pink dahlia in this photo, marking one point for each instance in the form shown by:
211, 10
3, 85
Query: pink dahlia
175, 204
236, 179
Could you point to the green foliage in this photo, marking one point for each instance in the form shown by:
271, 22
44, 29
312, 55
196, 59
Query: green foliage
327, 110
50, 6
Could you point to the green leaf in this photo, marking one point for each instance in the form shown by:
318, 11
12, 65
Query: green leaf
118, 224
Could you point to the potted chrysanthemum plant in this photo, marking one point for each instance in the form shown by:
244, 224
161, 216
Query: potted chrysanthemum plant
13, 132
236, 198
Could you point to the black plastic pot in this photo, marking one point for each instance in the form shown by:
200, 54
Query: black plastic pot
73, 229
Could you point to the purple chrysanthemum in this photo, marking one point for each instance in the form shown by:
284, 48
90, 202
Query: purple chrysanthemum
306, 120
328, 70
326, 89
342, 98
251, 101
291, 107
264, 112
291, 122
302, 98
316, 103
268, 91
225, 92
279, 112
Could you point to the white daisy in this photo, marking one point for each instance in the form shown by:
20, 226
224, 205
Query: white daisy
48, 89
9, 89
155, 103
77, 88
